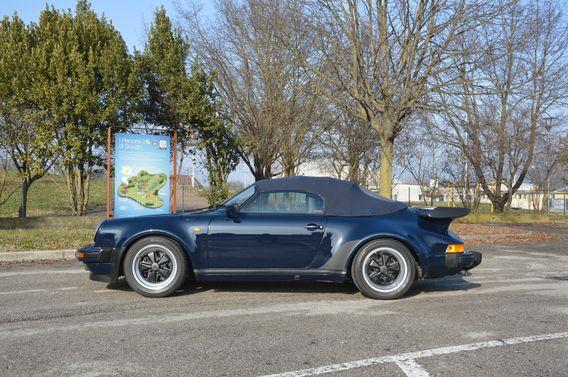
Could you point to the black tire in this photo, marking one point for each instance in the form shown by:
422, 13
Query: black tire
380, 283
155, 281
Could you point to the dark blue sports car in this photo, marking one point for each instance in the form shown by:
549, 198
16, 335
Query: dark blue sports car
298, 228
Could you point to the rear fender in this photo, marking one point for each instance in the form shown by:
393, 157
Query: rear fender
409, 242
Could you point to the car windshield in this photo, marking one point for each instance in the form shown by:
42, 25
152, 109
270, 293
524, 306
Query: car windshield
240, 198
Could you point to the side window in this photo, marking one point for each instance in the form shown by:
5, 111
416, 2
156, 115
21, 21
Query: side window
284, 202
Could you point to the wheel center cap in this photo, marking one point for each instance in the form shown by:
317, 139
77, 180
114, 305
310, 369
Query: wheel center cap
383, 269
155, 267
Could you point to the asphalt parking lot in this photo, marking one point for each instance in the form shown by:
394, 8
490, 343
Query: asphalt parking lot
509, 317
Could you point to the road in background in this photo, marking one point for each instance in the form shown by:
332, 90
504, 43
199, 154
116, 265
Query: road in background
509, 317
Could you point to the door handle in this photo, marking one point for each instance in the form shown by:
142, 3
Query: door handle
313, 227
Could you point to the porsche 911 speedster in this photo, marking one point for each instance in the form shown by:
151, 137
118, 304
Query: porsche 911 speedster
297, 228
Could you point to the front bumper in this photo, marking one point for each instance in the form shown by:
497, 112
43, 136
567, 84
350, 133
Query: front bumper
100, 261
463, 261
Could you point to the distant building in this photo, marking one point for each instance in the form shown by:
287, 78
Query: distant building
406, 192
561, 193
186, 180
559, 200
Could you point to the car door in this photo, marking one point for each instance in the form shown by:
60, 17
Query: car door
273, 230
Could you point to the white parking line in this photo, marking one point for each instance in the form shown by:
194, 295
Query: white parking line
41, 272
406, 360
22, 292
105, 290
41, 290
411, 368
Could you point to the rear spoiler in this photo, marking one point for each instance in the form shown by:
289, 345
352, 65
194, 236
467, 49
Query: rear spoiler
449, 213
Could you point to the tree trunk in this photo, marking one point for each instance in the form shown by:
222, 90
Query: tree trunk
23, 211
289, 165
261, 171
509, 201
385, 178
78, 182
87, 192
353, 174
499, 204
71, 188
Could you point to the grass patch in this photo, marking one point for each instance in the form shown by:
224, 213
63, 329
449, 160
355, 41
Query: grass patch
47, 233
519, 216
49, 196
516, 217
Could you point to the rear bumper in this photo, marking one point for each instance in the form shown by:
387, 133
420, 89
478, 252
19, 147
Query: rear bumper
449, 264
100, 261
463, 261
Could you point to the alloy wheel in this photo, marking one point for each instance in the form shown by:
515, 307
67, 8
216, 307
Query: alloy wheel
384, 269
154, 267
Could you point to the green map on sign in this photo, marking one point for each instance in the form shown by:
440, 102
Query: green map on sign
144, 188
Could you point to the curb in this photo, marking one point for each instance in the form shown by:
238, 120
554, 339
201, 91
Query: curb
37, 255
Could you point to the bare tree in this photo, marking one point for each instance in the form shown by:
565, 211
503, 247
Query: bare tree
303, 133
458, 171
564, 159
493, 115
265, 94
546, 171
384, 56
348, 149
419, 155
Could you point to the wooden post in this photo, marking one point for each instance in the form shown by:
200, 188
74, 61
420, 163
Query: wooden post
174, 177
108, 173
109, 144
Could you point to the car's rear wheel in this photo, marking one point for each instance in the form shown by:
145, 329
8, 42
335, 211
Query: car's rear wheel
155, 266
383, 269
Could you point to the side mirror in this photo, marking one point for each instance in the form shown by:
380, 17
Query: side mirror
233, 211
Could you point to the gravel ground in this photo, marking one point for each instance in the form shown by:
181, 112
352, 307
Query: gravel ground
509, 317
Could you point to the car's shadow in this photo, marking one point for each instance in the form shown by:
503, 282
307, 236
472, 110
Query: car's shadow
454, 283
447, 284
253, 287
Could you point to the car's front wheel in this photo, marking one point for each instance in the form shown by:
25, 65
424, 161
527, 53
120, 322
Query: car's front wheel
383, 269
155, 266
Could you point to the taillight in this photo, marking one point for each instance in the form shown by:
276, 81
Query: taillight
454, 248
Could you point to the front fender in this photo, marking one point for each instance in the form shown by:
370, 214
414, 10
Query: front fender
189, 231
189, 248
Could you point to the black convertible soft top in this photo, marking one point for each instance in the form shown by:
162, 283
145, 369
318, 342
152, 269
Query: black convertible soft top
341, 198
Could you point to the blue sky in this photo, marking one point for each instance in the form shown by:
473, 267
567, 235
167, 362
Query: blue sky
130, 17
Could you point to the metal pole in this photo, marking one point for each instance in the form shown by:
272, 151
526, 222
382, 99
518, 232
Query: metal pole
183, 197
548, 193
409, 195
193, 172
